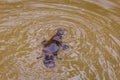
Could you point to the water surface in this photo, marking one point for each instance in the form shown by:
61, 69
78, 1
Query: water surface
92, 30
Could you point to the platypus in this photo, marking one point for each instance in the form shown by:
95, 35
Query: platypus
51, 48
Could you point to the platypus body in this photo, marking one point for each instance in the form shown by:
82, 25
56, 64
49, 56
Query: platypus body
51, 48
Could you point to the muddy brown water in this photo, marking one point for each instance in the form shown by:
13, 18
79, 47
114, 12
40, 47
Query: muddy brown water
92, 30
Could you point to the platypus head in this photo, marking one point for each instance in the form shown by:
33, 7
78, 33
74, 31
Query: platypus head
49, 63
60, 31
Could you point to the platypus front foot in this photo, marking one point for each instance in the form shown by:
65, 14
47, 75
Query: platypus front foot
43, 42
65, 47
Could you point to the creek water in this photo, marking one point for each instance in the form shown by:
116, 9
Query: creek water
92, 31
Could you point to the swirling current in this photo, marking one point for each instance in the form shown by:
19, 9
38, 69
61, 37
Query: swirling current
92, 31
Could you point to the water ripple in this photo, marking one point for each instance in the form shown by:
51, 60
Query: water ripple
91, 31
